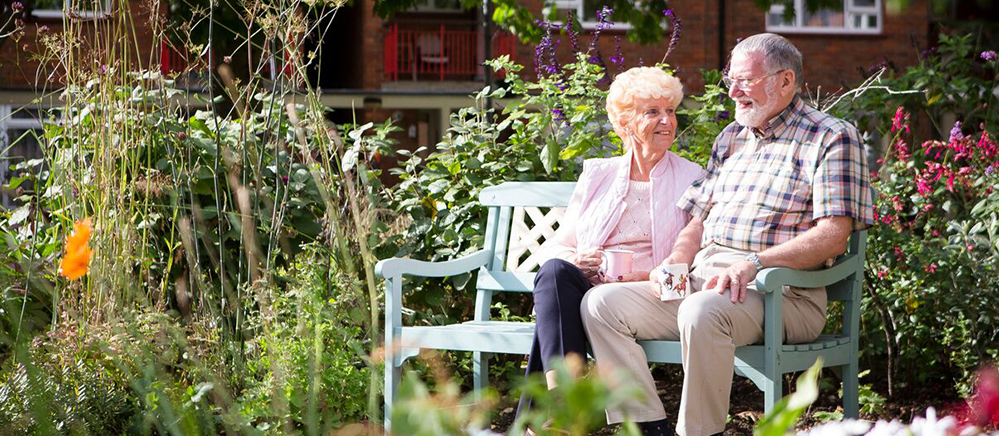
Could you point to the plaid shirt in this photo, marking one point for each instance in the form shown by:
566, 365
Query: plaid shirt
763, 188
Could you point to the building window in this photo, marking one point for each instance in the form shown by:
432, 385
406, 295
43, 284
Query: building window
20, 130
586, 12
84, 8
855, 16
447, 6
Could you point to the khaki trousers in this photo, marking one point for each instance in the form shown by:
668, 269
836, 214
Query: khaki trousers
709, 327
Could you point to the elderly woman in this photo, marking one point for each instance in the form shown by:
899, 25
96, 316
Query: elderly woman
626, 203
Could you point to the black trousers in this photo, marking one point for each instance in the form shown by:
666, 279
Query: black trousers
558, 292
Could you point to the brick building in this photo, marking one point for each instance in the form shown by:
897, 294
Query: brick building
422, 64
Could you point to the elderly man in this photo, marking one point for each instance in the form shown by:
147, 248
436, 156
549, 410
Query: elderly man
785, 186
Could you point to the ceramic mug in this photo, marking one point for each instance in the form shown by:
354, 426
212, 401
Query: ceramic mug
616, 263
674, 281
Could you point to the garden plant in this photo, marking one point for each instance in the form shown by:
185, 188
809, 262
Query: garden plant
194, 252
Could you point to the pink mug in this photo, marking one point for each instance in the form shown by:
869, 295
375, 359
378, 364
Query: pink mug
616, 263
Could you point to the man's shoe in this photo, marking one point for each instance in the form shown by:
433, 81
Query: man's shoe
656, 428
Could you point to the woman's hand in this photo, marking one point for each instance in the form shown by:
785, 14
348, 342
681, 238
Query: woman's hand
629, 277
589, 263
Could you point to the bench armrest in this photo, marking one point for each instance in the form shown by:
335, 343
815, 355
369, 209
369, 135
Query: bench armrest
397, 266
774, 279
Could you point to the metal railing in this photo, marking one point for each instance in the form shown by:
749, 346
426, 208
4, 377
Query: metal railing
442, 54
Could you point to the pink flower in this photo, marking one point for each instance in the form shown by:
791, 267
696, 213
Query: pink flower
882, 273
931, 268
923, 187
928, 207
935, 233
899, 122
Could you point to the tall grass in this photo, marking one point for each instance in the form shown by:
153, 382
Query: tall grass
217, 196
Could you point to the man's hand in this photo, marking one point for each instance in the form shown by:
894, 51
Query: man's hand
735, 278
655, 277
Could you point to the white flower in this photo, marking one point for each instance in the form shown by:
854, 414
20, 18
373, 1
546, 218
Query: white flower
893, 428
849, 427
931, 426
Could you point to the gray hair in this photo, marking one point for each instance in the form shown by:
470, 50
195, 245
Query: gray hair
778, 54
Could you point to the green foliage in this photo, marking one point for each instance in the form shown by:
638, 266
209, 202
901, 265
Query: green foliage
786, 412
575, 407
931, 259
714, 111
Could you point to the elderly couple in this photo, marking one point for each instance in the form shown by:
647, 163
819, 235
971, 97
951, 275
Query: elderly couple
785, 186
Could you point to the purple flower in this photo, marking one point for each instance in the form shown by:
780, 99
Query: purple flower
618, 58
723, 115
989, 55
674, 39
573, 35
17, 6
925, 53
955, 132
990, 169
603, 22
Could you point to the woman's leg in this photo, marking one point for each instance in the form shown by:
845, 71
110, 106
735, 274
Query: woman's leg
558, 290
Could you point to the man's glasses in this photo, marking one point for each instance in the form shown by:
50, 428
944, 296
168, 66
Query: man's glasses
745, 83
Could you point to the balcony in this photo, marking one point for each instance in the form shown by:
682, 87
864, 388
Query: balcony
440, 54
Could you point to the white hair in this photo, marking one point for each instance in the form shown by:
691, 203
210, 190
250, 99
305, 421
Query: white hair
636, 83
778, 54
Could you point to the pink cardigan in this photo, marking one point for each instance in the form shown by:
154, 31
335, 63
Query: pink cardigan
597, 204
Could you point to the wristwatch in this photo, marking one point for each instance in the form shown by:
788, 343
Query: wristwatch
755, 259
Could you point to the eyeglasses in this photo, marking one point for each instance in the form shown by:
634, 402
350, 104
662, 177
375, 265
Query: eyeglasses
745, 83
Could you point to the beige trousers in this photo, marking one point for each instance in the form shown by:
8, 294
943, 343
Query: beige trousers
709, 327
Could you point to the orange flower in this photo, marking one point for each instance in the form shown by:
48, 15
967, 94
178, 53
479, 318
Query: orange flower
77, 259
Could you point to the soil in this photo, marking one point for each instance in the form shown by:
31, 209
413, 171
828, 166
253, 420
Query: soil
747, 402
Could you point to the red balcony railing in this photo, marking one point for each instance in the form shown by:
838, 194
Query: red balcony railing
438, 54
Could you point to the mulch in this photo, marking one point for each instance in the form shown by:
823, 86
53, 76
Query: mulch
746, 406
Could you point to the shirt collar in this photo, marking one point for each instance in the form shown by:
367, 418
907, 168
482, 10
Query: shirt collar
779, 123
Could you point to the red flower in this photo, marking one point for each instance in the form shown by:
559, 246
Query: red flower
931, 268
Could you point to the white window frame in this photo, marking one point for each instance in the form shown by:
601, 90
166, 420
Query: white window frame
59, 13
427, 6
7, 122
577, 7
849, 9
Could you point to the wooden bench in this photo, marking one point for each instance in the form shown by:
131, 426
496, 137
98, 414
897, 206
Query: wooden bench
521, 215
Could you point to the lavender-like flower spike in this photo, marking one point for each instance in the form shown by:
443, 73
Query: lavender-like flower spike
955, 132
674, 39
545, 47
603, 22
573, 35
618, 58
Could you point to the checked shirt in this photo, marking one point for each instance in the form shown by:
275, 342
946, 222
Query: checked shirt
763, 188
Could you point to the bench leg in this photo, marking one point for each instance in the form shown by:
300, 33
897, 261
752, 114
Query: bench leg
851, 389
480, 373
773, 391
393, 375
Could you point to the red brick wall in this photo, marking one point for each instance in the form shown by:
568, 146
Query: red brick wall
19, 68
697, 49
829, 60
372, 41
833, 61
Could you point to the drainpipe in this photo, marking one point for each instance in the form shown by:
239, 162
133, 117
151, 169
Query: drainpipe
487, 46
721, 35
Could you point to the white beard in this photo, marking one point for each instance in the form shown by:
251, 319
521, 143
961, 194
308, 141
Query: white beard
757, 115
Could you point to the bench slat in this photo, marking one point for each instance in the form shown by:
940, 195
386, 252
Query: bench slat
503, 281
547, 194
